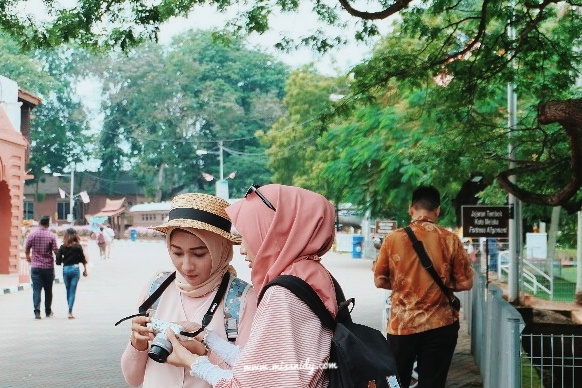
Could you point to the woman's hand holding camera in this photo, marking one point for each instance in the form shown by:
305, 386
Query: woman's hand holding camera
194, 344
140, 333
184, 352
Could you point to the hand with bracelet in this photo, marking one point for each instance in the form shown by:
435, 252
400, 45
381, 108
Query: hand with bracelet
194, 344
181, 354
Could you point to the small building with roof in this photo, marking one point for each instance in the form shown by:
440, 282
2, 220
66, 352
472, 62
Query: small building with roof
150, 214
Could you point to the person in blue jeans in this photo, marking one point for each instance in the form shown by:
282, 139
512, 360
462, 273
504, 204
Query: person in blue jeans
70, 255
493, 252
40, 247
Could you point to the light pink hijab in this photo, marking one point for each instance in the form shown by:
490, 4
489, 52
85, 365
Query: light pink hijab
290, 240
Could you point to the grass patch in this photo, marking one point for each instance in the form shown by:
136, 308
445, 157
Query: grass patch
529, 375
564, 290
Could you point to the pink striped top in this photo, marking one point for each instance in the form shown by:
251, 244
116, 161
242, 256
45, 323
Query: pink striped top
286, 346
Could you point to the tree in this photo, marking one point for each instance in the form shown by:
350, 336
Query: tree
532, 44
58, 131
191, 95
293, 149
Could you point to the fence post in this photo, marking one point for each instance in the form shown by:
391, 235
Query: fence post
491, 375
514, 349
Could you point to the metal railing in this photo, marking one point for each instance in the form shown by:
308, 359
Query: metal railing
495, 327
530, 276
509, 356
552, 360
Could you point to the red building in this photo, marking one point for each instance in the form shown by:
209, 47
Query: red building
15, 114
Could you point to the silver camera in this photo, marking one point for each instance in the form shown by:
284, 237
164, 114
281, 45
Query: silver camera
161, 347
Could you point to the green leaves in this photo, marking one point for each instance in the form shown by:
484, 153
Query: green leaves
188, 97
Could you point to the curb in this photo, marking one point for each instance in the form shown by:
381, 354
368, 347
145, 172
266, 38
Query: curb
14, 289
23, 286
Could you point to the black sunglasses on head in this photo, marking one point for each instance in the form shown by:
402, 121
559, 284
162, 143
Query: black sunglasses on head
255, 188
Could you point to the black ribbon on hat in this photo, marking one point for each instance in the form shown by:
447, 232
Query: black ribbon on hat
200, 215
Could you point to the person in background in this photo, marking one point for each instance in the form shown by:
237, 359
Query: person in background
493, 252
43, 244
101, 242
70, 255
285, 230
109, 237
200, 246
423, 326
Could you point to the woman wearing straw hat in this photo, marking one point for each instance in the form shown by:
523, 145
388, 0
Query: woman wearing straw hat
285, 230
200, 245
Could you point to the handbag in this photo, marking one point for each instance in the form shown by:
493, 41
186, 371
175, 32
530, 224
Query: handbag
427, 264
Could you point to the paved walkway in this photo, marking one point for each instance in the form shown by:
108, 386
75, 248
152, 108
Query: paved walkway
85, 352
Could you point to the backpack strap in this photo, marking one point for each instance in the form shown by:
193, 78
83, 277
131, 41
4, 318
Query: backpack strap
156, 285
235, 292
304, 292
233, 306
159, 284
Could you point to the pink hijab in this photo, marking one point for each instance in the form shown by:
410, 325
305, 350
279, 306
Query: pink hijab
290, 240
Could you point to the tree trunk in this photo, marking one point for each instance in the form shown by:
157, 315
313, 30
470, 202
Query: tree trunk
552, 236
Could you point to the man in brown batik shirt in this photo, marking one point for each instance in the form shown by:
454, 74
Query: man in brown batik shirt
423, 326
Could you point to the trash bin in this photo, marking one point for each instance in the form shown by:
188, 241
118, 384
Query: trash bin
357, 243
133, 234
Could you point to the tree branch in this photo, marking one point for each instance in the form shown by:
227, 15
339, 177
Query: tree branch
398, 6
567, 113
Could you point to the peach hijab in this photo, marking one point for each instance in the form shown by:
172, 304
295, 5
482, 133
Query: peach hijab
290, 240
221, 253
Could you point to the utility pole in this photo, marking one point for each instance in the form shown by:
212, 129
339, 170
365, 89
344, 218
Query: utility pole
515, 248
221, 184
221, 160
72, 195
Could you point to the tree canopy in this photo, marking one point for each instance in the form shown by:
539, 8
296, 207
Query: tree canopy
192, 96
459, 58
59, 130
467, 45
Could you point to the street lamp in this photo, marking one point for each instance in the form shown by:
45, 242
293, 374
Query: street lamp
222, 184
84, 196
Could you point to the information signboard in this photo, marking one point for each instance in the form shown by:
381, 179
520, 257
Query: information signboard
485, 221
385, 226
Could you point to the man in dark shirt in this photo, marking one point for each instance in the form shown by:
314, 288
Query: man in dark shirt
43, 244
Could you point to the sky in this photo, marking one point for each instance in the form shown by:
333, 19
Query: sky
293, 25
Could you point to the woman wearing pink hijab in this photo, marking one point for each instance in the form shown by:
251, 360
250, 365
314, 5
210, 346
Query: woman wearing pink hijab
285, 230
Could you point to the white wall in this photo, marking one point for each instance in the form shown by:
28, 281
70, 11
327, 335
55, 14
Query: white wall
9, 100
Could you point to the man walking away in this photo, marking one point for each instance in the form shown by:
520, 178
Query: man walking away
423, 326
43, 244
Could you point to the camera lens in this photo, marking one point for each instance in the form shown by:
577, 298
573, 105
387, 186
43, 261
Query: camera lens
160, 348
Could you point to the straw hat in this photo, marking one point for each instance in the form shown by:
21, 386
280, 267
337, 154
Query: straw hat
199, 211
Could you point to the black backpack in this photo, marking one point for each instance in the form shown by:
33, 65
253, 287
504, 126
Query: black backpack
361, 353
